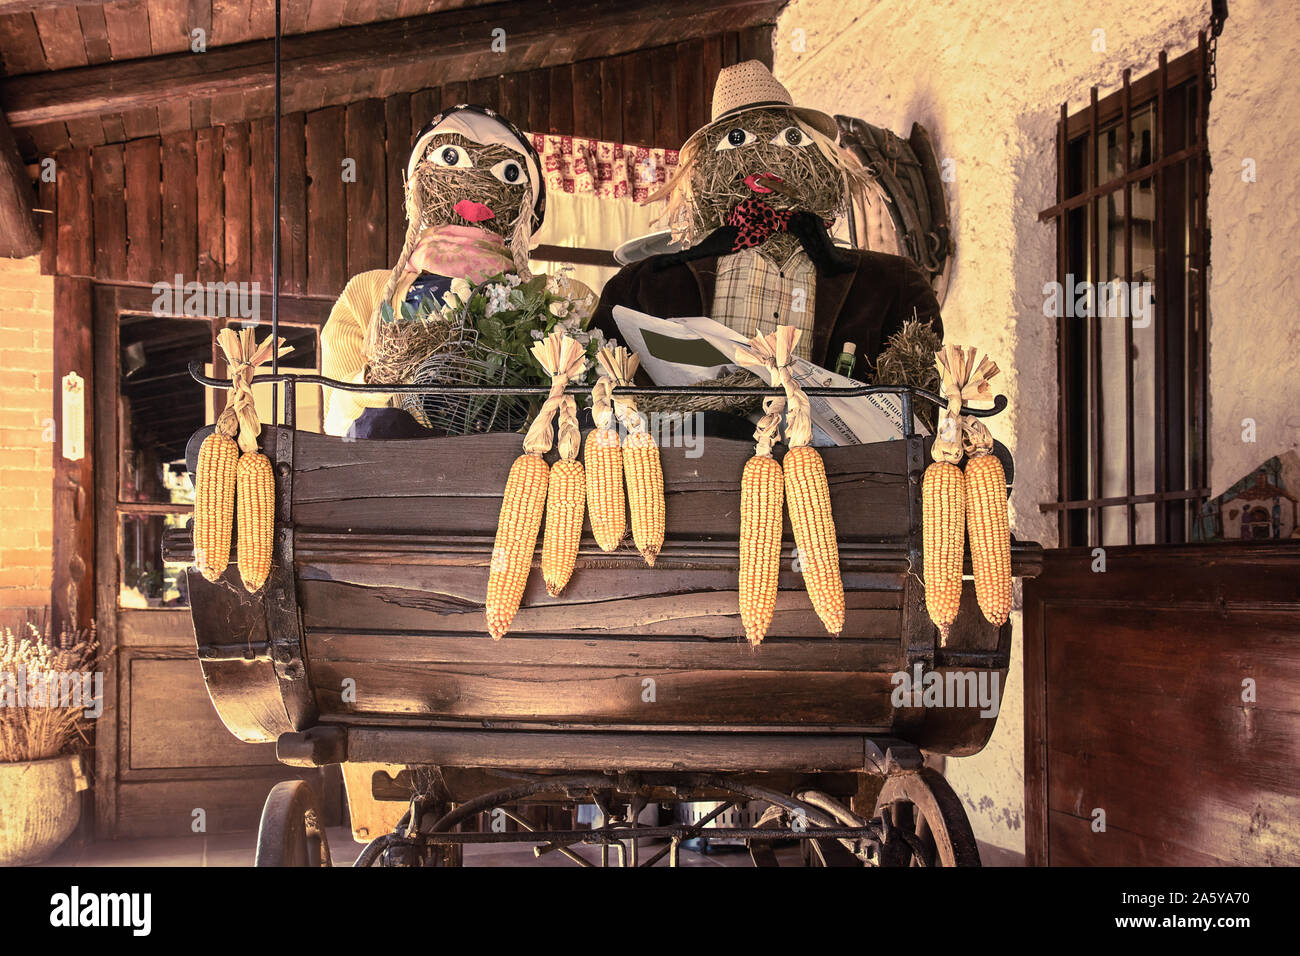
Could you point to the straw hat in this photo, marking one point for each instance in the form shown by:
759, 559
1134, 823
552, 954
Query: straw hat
751, 86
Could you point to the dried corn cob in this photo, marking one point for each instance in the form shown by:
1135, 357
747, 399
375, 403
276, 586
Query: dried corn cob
565, 501
604, 465
516, 538
645, 492
809, 501
807, 494
641, 465
524, 500
943, 509
986, 522
256, 518
214, 498
762, 494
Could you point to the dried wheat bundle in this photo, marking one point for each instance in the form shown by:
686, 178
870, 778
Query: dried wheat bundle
685, 404
908, 359
39, 727
401, 346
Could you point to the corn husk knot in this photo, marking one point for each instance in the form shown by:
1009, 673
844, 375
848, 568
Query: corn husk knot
619, 365
245, 356
961, 382
760, 356
564, 360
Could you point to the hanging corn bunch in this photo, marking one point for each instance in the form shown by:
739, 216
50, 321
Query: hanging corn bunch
641, 465
987, 522
807, 494
526, 491
254, 480
606, 502
566, 499
762, 494
944, 496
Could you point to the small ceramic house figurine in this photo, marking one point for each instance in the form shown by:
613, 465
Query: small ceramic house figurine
474, 198
754, 196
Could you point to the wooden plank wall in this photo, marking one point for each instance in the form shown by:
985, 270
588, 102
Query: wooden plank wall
198, 202
1166, 693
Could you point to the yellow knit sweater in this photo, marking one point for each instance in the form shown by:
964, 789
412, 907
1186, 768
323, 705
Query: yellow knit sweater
343, 341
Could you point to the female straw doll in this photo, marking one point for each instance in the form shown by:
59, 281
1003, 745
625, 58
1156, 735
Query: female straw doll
474, 198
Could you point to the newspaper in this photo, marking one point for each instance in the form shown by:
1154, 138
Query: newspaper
689, 350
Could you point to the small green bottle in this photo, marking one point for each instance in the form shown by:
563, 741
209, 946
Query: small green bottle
848, 358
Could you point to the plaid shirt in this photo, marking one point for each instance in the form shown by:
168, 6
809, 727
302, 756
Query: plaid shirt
753, 295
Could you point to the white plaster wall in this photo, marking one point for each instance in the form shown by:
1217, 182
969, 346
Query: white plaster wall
987, 81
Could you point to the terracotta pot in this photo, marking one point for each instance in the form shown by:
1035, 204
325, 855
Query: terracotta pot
39, 807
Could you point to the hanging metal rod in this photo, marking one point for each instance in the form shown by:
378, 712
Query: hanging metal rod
736, 391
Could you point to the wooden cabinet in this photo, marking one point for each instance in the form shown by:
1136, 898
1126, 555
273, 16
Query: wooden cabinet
1162, 697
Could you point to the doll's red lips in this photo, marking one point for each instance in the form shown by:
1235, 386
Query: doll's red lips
752, 181
473, 211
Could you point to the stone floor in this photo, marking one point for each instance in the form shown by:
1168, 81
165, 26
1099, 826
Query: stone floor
237, 849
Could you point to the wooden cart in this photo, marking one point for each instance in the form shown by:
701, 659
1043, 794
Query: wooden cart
367, 648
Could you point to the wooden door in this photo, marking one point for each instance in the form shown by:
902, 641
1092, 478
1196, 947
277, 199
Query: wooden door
165, 764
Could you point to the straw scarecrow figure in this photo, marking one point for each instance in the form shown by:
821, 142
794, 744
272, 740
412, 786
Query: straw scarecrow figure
754, 197
474, 198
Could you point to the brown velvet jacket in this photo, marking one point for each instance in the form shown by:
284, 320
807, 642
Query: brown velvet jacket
864, 306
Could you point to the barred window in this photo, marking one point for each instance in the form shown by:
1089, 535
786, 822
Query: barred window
1129, 302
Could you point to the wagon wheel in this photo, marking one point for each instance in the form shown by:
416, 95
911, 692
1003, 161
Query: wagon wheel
291, 833
931, 819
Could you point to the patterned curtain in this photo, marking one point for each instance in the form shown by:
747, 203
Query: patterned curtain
602, 169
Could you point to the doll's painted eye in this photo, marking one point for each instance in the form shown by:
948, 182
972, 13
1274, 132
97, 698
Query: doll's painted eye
451, 156
510, 172
734, 139
791, 136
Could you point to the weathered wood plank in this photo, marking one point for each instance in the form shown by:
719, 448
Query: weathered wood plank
208, 153
75, 210
109, 182
180, 254
540, 750
73, 558
433, 492
143, 210
397, 126
237, 183
515, 650
327, 259
261, 156
367, 198
173, 724
559, 119
611, 99
293, 204
639, 127
691, 113
606, 694
602, 604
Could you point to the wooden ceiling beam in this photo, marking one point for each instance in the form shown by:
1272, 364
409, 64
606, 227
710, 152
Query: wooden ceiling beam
454, 41
18, 235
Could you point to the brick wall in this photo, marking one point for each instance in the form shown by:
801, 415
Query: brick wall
26, 437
